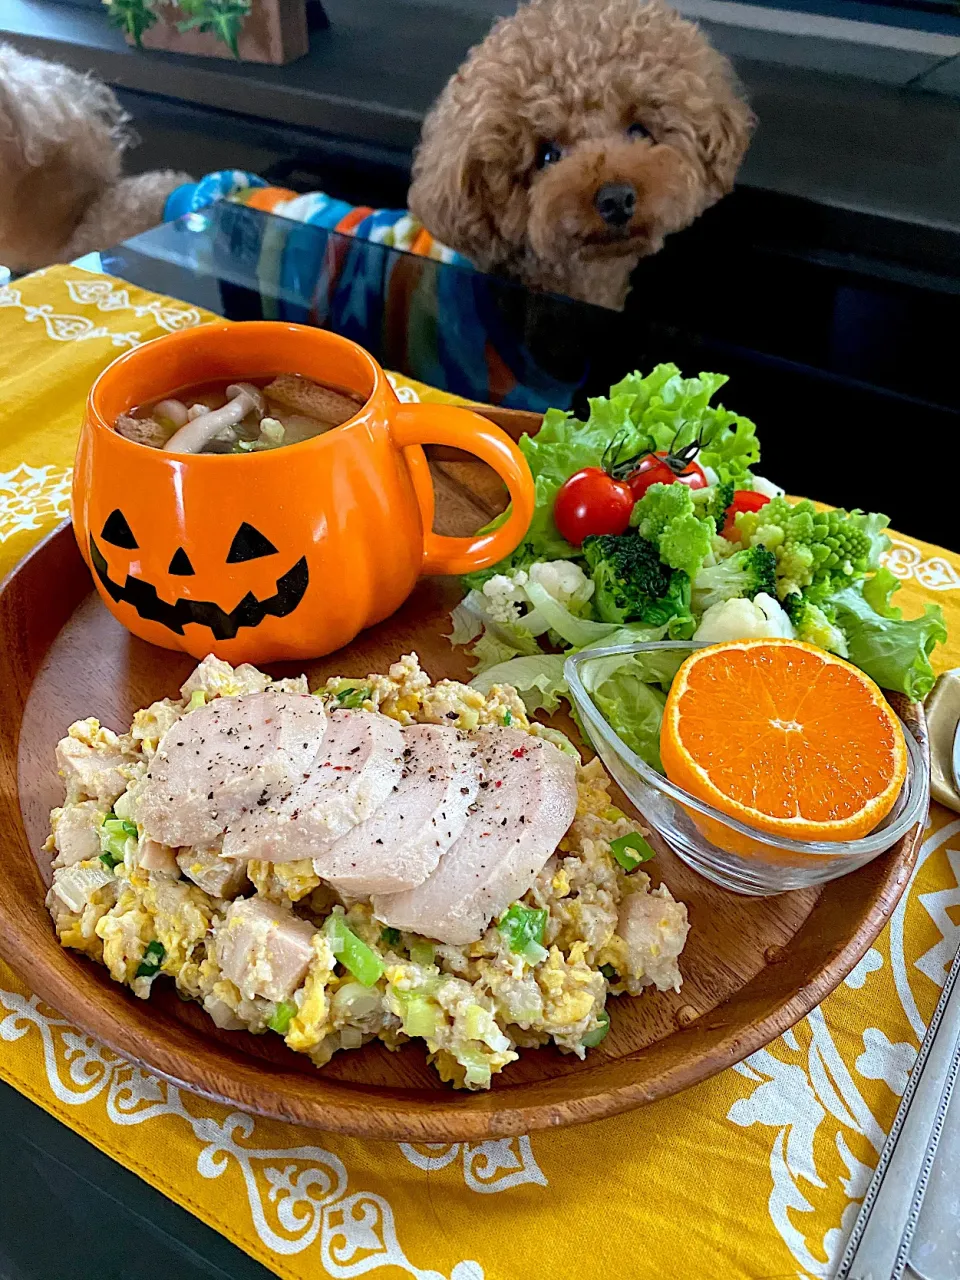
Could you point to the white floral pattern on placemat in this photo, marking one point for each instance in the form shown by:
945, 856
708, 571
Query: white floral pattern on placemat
32, 498
106, 297
495, 1165
905, 561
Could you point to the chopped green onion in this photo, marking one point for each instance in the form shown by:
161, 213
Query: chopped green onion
630, 861
282, 1016
198, 699
523, 928
507, 717
476, 1065
422, 952
391, 937
114, 834
152, 960
420, 1015
593, 1038
353, 698
352, 952
609, 972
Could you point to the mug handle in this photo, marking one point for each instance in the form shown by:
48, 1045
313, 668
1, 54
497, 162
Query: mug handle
418, 424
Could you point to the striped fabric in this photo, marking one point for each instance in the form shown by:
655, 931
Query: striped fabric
446, 328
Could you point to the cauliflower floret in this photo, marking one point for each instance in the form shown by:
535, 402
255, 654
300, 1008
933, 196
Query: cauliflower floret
740, 619
504, 594
565, 581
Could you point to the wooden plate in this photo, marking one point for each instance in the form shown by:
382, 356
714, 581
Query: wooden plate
752, 966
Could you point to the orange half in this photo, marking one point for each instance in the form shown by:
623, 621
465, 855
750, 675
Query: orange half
785, 737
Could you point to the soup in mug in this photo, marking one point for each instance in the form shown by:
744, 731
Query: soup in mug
239, 417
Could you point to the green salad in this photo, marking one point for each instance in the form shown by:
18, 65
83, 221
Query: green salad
652, 524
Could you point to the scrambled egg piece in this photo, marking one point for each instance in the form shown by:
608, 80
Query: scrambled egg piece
283, 881
309, 1025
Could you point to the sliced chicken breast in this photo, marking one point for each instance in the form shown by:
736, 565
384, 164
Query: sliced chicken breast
218, 761
399, 846
264, 950
526, 803
358, 766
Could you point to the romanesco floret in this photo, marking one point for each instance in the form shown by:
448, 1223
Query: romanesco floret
658, 506
818, 552
666, 516
745, 573
811, 624
634, 585
685, 543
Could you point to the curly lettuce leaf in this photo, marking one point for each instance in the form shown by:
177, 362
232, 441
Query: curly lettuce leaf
893, 650
672, 411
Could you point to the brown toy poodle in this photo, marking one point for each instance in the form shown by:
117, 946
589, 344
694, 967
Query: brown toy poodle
62, 139
575, 138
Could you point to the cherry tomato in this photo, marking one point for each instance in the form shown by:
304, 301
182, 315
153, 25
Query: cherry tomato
654, 470
591, 501
743, 500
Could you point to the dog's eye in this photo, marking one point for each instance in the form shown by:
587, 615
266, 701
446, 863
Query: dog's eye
638, 130
548, 153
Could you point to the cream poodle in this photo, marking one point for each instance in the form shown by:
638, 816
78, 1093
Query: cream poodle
62, 139
575, 138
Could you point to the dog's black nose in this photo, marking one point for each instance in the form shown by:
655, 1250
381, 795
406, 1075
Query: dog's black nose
615, 202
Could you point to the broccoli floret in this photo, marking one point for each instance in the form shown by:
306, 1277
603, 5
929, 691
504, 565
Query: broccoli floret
743, 574
811, 624
721, 498
633, 584
818, 552
666, 516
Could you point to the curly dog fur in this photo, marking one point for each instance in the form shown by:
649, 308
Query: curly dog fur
62, 139
578, 74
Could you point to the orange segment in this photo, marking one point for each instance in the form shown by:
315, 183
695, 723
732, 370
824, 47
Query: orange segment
785, 737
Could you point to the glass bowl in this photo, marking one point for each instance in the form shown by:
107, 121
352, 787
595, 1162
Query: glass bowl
766, 864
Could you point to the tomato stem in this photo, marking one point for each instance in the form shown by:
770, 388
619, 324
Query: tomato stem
676, 459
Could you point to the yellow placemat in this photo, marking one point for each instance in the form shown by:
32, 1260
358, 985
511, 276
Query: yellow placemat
756, 1173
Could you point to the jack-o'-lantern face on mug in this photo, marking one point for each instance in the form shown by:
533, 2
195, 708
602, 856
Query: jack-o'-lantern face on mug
162, 602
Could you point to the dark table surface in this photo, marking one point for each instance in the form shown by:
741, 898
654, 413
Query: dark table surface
67, 1209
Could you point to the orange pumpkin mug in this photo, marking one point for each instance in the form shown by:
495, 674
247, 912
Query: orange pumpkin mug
281, 554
